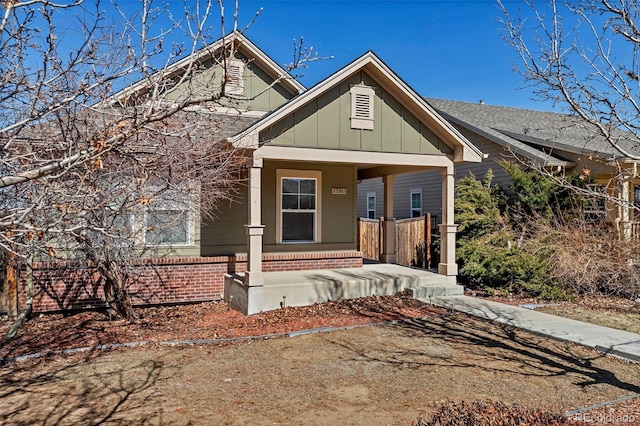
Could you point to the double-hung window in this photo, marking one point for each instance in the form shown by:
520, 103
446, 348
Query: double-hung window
416, 202
371, 205
299, 206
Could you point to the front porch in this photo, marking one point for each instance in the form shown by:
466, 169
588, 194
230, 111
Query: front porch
300, 288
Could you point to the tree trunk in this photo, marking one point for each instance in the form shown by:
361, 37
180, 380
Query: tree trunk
26, 310
115, 290
9, 289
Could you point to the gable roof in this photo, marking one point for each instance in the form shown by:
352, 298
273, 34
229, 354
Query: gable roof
537, 135
379, 71
243, 45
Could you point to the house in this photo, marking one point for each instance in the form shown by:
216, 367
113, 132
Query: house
307, 150
560, 143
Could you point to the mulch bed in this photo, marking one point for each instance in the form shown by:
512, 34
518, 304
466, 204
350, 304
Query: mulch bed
211, 320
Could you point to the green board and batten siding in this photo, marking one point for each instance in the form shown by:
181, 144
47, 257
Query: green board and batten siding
324, 122
260, 94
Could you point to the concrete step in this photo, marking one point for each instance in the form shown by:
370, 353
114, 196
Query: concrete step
437, 290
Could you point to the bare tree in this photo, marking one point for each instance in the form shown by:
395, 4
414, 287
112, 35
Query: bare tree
583, 56
99, 125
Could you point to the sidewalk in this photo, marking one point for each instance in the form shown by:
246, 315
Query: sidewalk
605, 340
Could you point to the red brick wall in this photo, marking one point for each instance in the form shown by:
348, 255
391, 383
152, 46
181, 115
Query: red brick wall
59, 287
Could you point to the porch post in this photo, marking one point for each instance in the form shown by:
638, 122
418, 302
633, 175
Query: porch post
255, 229
448, 229
389, 224
623, 210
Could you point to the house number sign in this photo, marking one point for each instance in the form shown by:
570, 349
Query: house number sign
339, 191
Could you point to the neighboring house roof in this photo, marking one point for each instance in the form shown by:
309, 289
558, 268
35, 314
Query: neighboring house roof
537, 135
370, 62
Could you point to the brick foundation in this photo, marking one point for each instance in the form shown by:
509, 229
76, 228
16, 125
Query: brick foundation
60, 287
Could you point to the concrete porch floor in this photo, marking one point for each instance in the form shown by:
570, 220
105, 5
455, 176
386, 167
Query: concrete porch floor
301, 288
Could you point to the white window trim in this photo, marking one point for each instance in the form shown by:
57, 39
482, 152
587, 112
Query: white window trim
235, 76
303, 174
411, 209
375, 199
362, 107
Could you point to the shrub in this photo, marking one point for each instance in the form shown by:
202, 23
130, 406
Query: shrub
479, 207
490, 254
538, 196
497, 261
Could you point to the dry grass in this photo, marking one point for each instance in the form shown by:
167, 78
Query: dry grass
622, 314
590, 259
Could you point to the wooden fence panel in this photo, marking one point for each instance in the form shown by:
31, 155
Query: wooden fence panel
410, 241
369, 238
412, 245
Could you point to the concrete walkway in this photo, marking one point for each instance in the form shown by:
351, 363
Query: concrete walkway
605, 340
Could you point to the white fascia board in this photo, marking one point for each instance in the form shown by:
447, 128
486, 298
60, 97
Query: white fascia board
247, 141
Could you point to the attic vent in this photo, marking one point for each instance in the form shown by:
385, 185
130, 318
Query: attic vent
362, 107
235, 80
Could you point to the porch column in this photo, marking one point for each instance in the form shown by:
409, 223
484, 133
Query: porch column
255, 229
448, 229
623, 210
389, 224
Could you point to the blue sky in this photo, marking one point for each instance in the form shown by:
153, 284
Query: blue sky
445, 49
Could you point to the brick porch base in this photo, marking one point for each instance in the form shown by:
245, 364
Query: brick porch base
59, 286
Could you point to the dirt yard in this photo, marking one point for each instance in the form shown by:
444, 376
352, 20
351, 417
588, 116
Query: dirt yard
383, 374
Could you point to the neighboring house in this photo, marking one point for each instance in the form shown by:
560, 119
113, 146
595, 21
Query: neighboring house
561, 143
307, 150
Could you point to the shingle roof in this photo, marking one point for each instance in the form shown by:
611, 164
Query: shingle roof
538, 135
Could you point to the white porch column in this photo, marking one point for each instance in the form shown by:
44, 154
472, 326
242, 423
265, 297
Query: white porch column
623, 210
389, 224
255, 229
448, 229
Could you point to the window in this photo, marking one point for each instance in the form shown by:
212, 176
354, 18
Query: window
167, 220
362, 107
416, 203
299, 205
371, 205
235, 78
